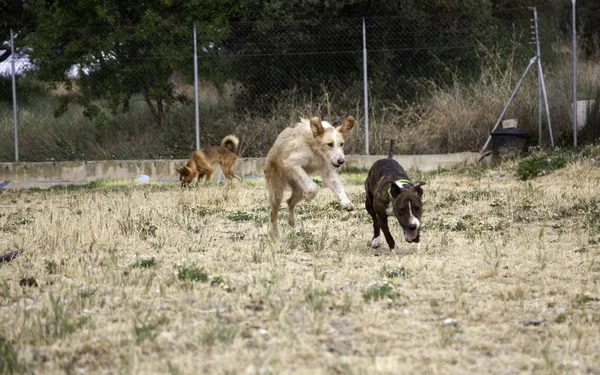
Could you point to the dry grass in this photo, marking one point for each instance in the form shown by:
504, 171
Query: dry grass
152, 279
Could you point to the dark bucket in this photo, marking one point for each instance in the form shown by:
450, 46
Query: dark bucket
509, 143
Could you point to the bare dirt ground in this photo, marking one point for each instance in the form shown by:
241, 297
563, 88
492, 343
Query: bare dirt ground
152, 279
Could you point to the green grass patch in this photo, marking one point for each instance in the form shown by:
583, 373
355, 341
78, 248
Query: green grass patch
539, 165
380, 291
144, 263
394, 272
221, 282
467, 224
561, 317
148, 330
241, 216
217, 330
316, 299
9, 358
192, 274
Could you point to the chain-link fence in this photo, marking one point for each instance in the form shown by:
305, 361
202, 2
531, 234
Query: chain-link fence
134, 95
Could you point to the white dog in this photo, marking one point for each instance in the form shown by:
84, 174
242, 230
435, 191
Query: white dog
308, 148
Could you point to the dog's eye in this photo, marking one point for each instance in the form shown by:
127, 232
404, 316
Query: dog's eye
330, 144
342, 144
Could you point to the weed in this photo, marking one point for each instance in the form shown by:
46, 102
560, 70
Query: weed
333, 210
199, 211
256, 216
148, 330
306, 241
16, 220
496, 203
491, 253
146, 228
9, 358
126, 224
144, 263
58, 321
222, 282
192, 274
561, 317
237, 236
301, 239
334, 206
466, 224
4, 289
394, 272
583, 298
534, 166
240, 216
346, 305
548, 360
258, 251
86, 292
448, 332
81, 320
173, 369
316, 299
380, 291
51, 267
218, 331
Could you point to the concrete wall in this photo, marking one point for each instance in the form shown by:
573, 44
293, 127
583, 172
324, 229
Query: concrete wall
87, 171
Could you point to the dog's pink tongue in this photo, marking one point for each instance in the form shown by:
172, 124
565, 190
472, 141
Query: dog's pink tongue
411, 235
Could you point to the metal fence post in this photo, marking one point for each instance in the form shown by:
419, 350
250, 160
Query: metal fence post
14, 94
366, 88
538, 56
196, 96
574, 31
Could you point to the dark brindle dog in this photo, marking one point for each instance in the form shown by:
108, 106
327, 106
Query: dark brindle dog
390, 193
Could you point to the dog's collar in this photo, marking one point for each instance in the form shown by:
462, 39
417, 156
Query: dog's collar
399, 183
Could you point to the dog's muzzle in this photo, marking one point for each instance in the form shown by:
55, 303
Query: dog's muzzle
338, 163
411, 233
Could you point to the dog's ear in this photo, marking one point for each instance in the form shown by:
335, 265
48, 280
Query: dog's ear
347, 125
418, 188
316, 127
395, 190
184, 171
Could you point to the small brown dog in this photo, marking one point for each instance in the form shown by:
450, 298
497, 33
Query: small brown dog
202, 162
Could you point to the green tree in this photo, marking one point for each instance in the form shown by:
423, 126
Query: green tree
15, 15
314, 43
122, 48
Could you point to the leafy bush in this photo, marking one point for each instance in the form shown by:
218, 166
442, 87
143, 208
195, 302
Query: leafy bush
534, 166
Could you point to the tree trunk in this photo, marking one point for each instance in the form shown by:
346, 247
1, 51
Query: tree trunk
158, 111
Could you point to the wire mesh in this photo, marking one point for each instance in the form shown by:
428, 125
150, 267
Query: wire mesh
260, 65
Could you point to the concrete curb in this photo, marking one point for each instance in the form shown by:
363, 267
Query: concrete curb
78, 172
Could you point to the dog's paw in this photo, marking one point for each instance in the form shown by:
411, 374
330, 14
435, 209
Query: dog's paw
292, 220
376, 242
348, 206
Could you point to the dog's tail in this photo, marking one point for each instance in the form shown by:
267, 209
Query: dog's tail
231, 142
391, 153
